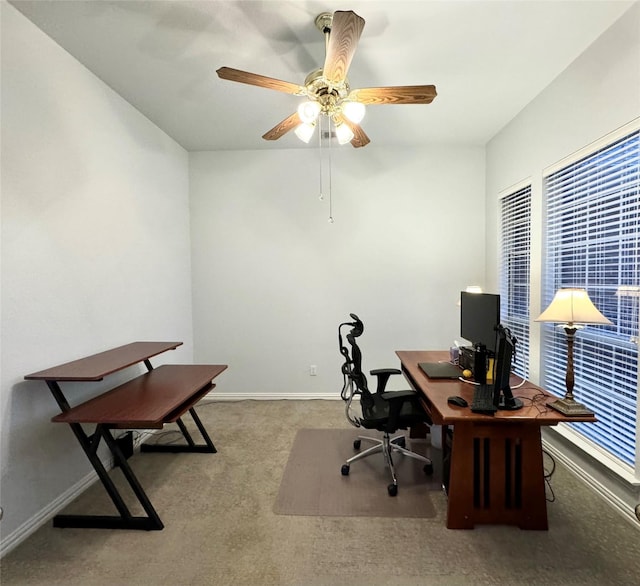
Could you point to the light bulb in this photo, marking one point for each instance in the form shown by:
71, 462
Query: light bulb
309, 111
305, 131
354, 111
344, 133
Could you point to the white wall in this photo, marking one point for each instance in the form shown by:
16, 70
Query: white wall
597, 94
95, 251
272, 279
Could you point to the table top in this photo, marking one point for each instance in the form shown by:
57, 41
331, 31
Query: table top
147, 400
436, 392
97, 366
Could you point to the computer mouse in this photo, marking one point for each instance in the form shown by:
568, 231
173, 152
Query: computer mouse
458, 401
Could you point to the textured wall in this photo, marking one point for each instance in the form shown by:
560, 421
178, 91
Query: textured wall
95, 250
272, 278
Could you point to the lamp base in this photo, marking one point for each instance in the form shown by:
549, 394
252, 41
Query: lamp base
570, 407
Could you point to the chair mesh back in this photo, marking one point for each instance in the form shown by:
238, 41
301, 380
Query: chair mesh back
355, 381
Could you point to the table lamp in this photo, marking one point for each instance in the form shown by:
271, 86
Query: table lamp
570, 307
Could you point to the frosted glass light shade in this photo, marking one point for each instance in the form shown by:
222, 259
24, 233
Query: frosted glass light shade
305, 131
570, 306
309, 111
354, 111
343, 133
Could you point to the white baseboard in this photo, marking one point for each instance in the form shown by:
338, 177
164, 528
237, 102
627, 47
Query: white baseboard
44, 515
216, 396
53, 508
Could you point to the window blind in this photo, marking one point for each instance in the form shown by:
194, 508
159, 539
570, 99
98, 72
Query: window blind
515, 244
593, 241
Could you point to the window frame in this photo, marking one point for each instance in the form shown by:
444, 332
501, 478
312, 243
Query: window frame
595, 338
519, 196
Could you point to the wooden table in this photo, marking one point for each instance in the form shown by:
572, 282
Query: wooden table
496, 472
148, 401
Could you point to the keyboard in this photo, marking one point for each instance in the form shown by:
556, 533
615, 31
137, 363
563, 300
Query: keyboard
483, 399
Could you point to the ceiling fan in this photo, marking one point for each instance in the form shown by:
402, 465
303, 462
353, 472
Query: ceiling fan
327, 88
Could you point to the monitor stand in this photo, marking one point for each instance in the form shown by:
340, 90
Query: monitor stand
510, 403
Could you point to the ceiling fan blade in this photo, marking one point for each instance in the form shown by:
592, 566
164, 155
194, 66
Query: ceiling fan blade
360, 138
346, 29
260, 80
283, 127
402, 94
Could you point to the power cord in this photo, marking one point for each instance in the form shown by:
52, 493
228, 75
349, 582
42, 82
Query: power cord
548, 474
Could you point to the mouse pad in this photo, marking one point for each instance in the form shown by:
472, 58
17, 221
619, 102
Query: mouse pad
440, 369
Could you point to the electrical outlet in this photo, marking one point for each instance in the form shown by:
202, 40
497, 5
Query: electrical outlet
313, 370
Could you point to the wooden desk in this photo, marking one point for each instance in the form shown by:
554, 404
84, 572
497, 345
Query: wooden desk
496, 470
159, 396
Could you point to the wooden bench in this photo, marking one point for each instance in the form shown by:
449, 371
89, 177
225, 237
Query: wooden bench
149, 401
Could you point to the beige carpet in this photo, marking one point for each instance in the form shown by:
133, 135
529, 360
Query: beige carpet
313, 485
221, 530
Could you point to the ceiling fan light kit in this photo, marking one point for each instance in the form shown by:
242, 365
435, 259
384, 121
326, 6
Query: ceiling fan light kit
327, 89
328, 93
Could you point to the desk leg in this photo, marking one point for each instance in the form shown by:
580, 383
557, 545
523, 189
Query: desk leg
460, 495
125, 520
89, 445
497, 476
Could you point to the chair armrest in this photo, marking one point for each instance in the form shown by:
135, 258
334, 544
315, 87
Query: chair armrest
383, 375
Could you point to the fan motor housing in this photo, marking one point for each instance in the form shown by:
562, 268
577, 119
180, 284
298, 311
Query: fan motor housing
327, 95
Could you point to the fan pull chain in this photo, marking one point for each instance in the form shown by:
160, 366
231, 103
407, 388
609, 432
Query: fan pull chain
321, 197
330, 187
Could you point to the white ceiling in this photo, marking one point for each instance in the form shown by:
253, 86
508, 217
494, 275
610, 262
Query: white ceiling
487, 58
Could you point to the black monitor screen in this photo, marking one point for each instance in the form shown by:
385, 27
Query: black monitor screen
479, 318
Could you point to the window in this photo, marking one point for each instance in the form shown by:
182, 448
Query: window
515, 243
593, 241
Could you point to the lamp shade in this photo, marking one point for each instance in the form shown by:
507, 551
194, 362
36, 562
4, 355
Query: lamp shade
572, 306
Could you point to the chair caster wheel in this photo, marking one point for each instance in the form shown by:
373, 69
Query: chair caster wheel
428, 469
392, 489
345, 470
356, 444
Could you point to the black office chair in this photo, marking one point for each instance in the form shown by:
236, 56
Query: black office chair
386, 411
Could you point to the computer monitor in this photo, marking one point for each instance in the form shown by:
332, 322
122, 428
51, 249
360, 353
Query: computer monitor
502, 395
479, 319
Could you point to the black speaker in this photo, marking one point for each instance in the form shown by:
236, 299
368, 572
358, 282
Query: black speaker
480, 364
